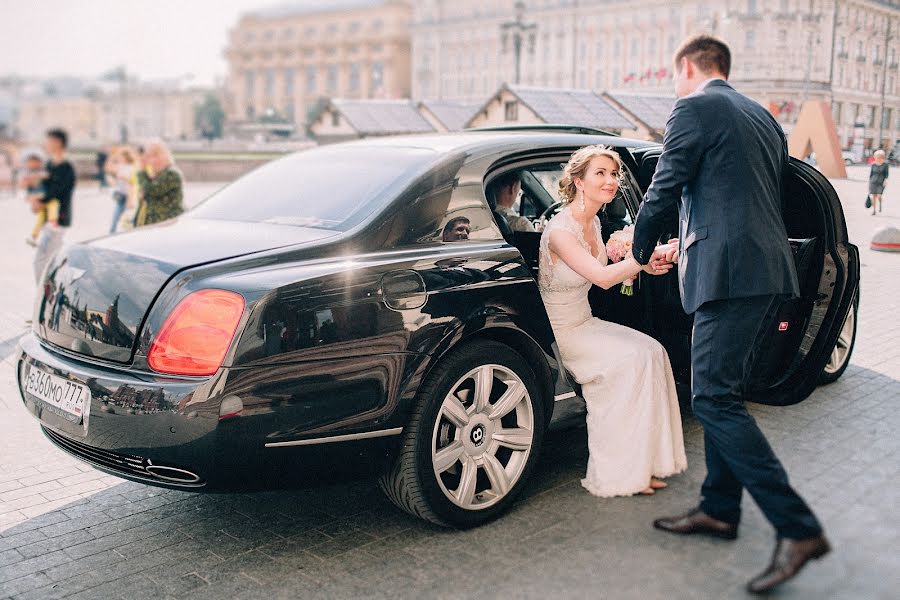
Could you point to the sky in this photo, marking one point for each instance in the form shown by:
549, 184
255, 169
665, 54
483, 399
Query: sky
154, 39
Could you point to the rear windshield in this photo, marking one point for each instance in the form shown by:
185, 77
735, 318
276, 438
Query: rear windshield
327, 188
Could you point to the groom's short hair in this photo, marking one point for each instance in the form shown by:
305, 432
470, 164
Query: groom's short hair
708, 53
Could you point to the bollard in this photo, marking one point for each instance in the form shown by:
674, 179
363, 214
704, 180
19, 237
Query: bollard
886, 239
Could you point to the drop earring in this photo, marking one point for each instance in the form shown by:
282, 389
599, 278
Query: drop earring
581, 200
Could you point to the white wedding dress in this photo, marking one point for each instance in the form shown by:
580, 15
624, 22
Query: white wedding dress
633, 419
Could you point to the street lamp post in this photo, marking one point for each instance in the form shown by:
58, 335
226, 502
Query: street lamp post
520, 31
887, 41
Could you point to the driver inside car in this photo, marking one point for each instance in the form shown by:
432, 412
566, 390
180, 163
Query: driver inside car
506, 192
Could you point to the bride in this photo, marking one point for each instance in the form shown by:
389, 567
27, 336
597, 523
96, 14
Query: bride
633, 419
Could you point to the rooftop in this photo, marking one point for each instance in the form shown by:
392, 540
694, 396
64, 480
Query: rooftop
382, 117
651, 109
311, 7
571, 106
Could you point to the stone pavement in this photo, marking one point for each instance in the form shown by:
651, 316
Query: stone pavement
69, 531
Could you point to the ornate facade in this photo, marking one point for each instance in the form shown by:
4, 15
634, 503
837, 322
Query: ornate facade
785, 51
282, 61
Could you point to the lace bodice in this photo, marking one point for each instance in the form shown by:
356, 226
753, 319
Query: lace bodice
564, 291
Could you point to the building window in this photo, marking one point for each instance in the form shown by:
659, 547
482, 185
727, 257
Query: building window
886, 118
750, 39
311, 85
354, 77
270, 83
751, 7
332, 28
289, 83
836, 112
309, 31
511, 110
782, 36
377, 25
376, 47
377, 75
635, 43
354, 27
332, 82
617, 48
335, 119
249, 84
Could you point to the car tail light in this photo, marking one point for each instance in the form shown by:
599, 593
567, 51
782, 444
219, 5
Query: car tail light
197, 334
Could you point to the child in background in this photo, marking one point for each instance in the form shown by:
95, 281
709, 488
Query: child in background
46, 212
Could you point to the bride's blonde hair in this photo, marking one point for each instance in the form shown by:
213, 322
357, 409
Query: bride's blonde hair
577, 167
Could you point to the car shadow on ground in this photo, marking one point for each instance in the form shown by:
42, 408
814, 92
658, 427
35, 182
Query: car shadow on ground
346, 539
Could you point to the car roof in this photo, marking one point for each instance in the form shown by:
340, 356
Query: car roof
486, 140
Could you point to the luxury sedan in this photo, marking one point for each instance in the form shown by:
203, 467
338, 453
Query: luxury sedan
367, 300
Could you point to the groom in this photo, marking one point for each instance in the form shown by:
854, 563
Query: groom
721, 167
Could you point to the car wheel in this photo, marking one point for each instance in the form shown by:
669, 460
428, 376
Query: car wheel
843, 349
472, 440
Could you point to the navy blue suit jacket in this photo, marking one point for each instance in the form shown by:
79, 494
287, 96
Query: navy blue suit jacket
722, 168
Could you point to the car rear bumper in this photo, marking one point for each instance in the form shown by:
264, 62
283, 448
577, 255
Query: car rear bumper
167, 431
153, 430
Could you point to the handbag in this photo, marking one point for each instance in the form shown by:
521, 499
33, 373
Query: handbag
868, 201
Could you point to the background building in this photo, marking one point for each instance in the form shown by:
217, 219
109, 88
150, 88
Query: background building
102, 111
786, 51
283, 60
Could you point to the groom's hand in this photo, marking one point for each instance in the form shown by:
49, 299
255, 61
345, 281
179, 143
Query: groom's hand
672, 256
659, 263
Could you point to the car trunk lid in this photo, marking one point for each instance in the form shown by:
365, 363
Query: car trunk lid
94, 296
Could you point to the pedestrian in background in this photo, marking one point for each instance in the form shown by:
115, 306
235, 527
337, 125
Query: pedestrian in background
59, 184
102, 157
121, 169
46, 210
878, 177
161, 186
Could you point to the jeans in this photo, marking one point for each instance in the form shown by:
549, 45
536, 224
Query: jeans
48, 244
119, 198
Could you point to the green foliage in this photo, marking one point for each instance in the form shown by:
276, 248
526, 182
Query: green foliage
209, 117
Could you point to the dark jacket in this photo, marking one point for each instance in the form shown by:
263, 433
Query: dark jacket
59, 185
722, 167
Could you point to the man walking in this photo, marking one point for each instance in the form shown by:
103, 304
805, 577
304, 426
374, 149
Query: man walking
59, 183
722, 167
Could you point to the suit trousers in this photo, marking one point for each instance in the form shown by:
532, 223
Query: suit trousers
726, 337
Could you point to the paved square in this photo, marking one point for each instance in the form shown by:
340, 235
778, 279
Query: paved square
68, 531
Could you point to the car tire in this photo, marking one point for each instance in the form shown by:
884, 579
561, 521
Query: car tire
472, 440
843, 348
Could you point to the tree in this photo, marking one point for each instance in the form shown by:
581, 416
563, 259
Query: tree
209, 117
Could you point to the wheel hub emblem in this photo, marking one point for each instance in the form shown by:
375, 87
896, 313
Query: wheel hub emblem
478, 435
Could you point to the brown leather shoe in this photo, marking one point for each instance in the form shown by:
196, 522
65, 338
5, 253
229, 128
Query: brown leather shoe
789, 557
697, 521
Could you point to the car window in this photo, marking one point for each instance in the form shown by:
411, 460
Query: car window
330, 188
467, 217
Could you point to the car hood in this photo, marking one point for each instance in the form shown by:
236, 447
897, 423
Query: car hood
94, 296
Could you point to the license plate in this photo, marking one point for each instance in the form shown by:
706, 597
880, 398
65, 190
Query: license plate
68, 396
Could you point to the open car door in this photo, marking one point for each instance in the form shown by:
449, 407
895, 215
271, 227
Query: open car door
797, 348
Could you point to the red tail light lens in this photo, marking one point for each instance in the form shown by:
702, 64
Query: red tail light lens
196, 336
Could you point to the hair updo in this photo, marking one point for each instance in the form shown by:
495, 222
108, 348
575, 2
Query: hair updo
577, 167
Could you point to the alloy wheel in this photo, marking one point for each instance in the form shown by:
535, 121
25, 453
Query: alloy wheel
482, 437
844, 345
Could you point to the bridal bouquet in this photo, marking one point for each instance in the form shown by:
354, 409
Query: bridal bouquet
617, 248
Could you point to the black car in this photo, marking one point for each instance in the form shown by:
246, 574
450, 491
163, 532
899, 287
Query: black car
365, 299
